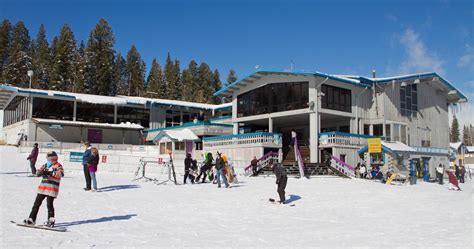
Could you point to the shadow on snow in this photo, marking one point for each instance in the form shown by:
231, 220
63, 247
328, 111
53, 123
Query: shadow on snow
118, 187
293, 198
98, 220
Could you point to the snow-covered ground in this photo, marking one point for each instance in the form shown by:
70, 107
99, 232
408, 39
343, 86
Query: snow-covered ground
329, 212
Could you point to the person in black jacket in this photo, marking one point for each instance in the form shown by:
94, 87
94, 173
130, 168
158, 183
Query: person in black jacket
281, 180
220, 167
187, 165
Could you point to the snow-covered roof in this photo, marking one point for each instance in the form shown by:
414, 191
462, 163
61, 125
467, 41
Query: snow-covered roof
112, 100
89, 124
398, 147
470, 149
455, 146
172, 135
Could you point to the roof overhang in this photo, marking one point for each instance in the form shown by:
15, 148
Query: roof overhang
251, 78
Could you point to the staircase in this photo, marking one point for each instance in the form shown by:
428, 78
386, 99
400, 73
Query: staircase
290, 156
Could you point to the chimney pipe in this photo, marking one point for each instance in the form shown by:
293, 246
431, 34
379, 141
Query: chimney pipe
373, 73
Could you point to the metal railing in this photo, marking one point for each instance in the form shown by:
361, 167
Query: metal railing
342, 167
262, 162
261, 138
342, 138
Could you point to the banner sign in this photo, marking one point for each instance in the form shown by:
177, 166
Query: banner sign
75, 156
375, 145
56, 126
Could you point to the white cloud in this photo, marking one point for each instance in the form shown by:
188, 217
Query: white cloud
467, 59
418, 59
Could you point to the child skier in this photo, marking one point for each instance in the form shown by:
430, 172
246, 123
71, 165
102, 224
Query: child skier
48, 189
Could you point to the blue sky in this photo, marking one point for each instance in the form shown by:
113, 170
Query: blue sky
340, 37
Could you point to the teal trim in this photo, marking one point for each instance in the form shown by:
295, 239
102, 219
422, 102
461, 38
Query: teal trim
189, 124
31, 92
241, 135
224, 89
9, 88
346, 134
64, 95
223, 117
133, 103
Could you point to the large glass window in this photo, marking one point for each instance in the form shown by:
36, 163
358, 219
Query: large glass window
275, 97
135, 115
53, 109
336, 98
408, 100
88, 112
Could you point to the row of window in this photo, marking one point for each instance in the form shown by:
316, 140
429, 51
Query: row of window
275, 97
408, 100
16, 111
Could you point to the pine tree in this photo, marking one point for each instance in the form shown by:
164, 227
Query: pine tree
155, 82
136, 71
216, 85
80, 67
454, 133
121, 75
172, 75
204, 88
465, 135
63, 72
19, 61
41, 60
189, 81
232, 77
101, 56
5, 41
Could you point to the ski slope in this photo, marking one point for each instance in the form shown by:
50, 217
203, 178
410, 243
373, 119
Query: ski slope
328, 213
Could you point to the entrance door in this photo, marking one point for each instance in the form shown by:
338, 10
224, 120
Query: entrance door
94, 135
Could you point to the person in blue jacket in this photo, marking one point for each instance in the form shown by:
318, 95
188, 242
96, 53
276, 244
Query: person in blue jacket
85, 158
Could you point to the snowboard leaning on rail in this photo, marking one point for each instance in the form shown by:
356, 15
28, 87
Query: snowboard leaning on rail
56, 229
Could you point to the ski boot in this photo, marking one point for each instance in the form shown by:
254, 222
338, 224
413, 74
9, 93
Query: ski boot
29, 222
50, 223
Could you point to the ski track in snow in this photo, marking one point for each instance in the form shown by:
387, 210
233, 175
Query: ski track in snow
328, 213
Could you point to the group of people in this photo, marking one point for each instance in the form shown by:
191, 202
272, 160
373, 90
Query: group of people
52, 172
220, 170
361, 171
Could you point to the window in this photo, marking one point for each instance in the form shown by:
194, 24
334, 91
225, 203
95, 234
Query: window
275, 97
336, 98
343, 157
387, 133
53, 109
16, 111
179, 146
378, 130
366, 129
408, 100
88, 112
135, 115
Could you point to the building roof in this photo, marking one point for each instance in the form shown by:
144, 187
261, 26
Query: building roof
172, 135
470, 149
455, 146
453, 93
7, 91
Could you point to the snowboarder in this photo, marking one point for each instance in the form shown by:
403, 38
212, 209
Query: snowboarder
207, 166
85, 158
281, 180
52, 172
92, 164
440, 173
254, 164
187, 165
220, 166
32, 157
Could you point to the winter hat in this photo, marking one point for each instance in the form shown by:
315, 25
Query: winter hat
52, 156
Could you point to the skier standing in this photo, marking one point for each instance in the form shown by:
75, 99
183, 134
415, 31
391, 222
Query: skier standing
52, 172
92, 164
187, 165
281, 180
220, 167
440, 173
32, 157
85, 158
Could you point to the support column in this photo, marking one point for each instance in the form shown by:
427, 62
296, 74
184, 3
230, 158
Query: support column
313, 137
180, 117
235, 129
270, 125
115, 114
74, 111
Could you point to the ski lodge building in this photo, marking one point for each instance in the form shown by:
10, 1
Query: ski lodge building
332, 115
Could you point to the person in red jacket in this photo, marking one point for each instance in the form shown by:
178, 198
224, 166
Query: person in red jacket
32, 157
